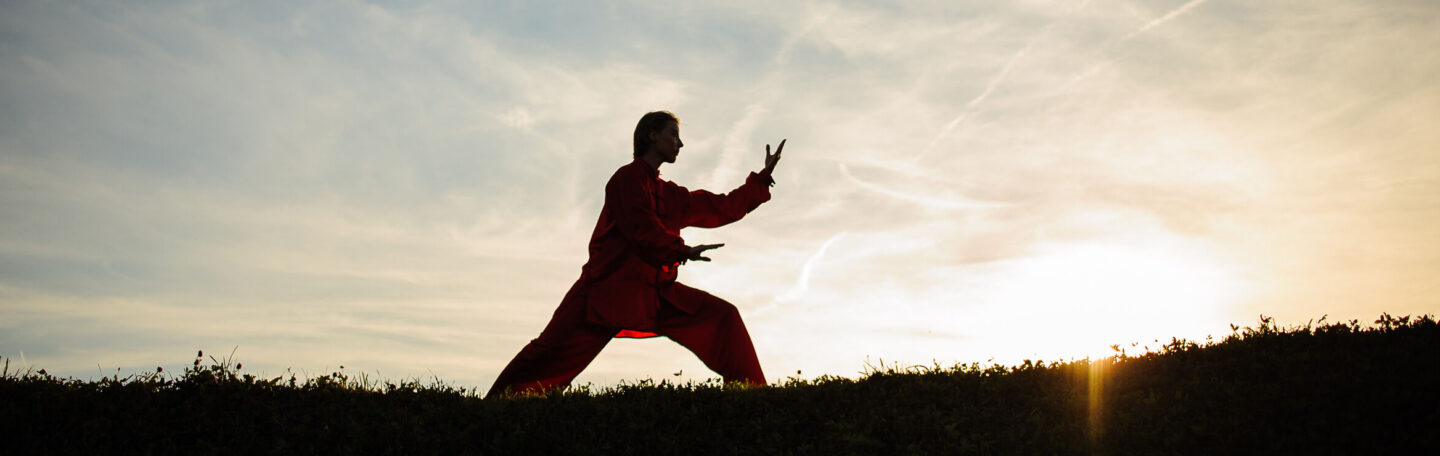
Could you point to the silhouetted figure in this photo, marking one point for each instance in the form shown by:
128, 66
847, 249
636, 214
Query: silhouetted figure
628, 287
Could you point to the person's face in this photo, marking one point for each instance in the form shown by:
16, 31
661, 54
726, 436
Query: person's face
667, 142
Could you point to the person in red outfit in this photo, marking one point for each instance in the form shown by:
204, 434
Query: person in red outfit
628, 287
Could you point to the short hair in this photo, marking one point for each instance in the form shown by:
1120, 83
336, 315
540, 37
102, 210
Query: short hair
649, 123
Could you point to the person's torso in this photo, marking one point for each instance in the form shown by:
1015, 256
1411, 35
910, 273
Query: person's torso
615, 257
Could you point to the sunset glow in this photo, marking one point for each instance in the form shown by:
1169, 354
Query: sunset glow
1087, 297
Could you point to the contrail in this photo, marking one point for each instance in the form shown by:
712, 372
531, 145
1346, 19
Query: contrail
927, 201
975, 102
1163, 19
802, 284
970, 107
1149, 25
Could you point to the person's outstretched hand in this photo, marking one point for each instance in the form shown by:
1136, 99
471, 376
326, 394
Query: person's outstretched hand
771, 160
697, 251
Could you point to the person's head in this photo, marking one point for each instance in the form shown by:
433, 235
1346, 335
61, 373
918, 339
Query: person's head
658, 131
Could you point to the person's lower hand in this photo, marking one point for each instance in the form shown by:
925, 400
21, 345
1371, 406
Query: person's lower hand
697, 252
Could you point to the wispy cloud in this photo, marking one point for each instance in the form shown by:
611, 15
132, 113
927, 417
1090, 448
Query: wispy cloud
802, 282
975, 102
926, 201
1167, 17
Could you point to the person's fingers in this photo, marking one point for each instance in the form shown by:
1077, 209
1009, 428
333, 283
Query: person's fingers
696, 251
778, 148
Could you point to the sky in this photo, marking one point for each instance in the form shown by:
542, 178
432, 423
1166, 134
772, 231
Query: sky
406, 188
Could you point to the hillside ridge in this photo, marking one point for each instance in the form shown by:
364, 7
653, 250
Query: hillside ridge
1328, 387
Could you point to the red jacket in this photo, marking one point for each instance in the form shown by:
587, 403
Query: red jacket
636, 247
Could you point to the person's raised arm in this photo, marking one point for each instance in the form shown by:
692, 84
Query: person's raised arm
708, 210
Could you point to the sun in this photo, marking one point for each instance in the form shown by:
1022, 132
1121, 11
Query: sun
1075, 300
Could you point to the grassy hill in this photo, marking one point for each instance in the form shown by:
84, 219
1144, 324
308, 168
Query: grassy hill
1327, 388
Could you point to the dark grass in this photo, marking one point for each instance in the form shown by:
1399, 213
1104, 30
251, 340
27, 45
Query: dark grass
1329, 388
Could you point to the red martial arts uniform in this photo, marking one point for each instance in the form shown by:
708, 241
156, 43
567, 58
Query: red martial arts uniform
628, 287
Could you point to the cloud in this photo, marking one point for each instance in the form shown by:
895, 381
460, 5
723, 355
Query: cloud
975, 102
1167, 17
802, 282
412, 187
923, 200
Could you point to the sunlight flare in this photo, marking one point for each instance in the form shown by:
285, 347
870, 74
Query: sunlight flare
1079, 299
1095, 387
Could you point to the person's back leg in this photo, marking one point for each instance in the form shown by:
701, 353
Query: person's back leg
714, 332
566, 346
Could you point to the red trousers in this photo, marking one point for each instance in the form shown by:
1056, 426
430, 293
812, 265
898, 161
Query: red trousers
715, 333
